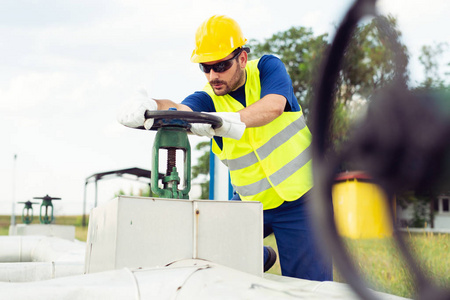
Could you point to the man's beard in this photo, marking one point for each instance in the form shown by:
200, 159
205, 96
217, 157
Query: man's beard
234, 83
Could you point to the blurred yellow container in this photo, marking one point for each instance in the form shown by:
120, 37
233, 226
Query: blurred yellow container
360, 207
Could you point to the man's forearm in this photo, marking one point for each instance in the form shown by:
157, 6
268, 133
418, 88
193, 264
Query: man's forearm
263, 111
164, 104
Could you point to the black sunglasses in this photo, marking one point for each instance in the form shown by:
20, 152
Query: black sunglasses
220, 66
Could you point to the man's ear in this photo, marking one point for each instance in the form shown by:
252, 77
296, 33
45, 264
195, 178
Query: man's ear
243, 59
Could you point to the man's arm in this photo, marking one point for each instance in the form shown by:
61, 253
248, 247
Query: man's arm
132, 113
164, 104
263, 111
276, 88
260, 113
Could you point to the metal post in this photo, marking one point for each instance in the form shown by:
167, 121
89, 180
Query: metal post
13, 213
96, 193
83, 222
230, 187
212, 173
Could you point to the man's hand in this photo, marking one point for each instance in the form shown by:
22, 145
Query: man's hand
132, 113
232, 127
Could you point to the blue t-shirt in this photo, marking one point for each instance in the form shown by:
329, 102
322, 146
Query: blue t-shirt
274, 80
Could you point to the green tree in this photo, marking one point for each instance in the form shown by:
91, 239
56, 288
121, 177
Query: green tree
429, 58
368, 65
144, 191
301, 52
422, 215
371, 60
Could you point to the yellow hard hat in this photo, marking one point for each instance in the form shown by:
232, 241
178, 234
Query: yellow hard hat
216, 38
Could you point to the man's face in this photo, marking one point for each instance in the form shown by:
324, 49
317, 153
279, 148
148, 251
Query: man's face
224, 82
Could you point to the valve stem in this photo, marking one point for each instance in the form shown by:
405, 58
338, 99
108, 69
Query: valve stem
171, 160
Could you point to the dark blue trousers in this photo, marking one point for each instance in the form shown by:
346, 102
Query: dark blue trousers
299, 254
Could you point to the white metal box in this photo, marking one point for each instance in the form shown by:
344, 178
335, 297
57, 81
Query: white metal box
136, 232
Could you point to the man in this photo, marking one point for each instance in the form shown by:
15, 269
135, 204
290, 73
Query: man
264, 140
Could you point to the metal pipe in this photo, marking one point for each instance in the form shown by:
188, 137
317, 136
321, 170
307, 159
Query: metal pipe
36, 271
185, 279
36, 248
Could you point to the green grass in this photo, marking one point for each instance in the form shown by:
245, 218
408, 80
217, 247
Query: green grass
383, 268
80, 231
378, 259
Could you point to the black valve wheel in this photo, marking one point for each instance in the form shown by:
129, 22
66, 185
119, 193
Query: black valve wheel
184, 119
47, 198
377, 149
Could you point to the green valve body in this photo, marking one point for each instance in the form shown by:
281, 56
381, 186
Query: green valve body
47, 216
27, 213
172, 138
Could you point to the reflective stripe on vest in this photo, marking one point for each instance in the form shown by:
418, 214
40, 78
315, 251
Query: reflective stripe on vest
271, 163
267, 148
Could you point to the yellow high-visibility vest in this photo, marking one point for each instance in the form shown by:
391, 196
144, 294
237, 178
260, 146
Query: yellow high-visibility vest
271, 163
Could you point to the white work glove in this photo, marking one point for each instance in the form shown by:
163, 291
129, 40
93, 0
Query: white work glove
232, 127
132, 113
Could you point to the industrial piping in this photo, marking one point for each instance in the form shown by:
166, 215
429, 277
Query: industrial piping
34, 258
185, 279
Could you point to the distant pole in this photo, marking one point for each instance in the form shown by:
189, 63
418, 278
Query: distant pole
96, 193
83, 222
13, 215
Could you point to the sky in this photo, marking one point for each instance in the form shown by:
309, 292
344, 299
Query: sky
66, 67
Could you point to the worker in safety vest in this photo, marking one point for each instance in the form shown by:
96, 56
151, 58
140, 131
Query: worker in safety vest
264, 140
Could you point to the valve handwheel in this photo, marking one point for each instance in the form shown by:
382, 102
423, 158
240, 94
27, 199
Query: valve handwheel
179, 118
